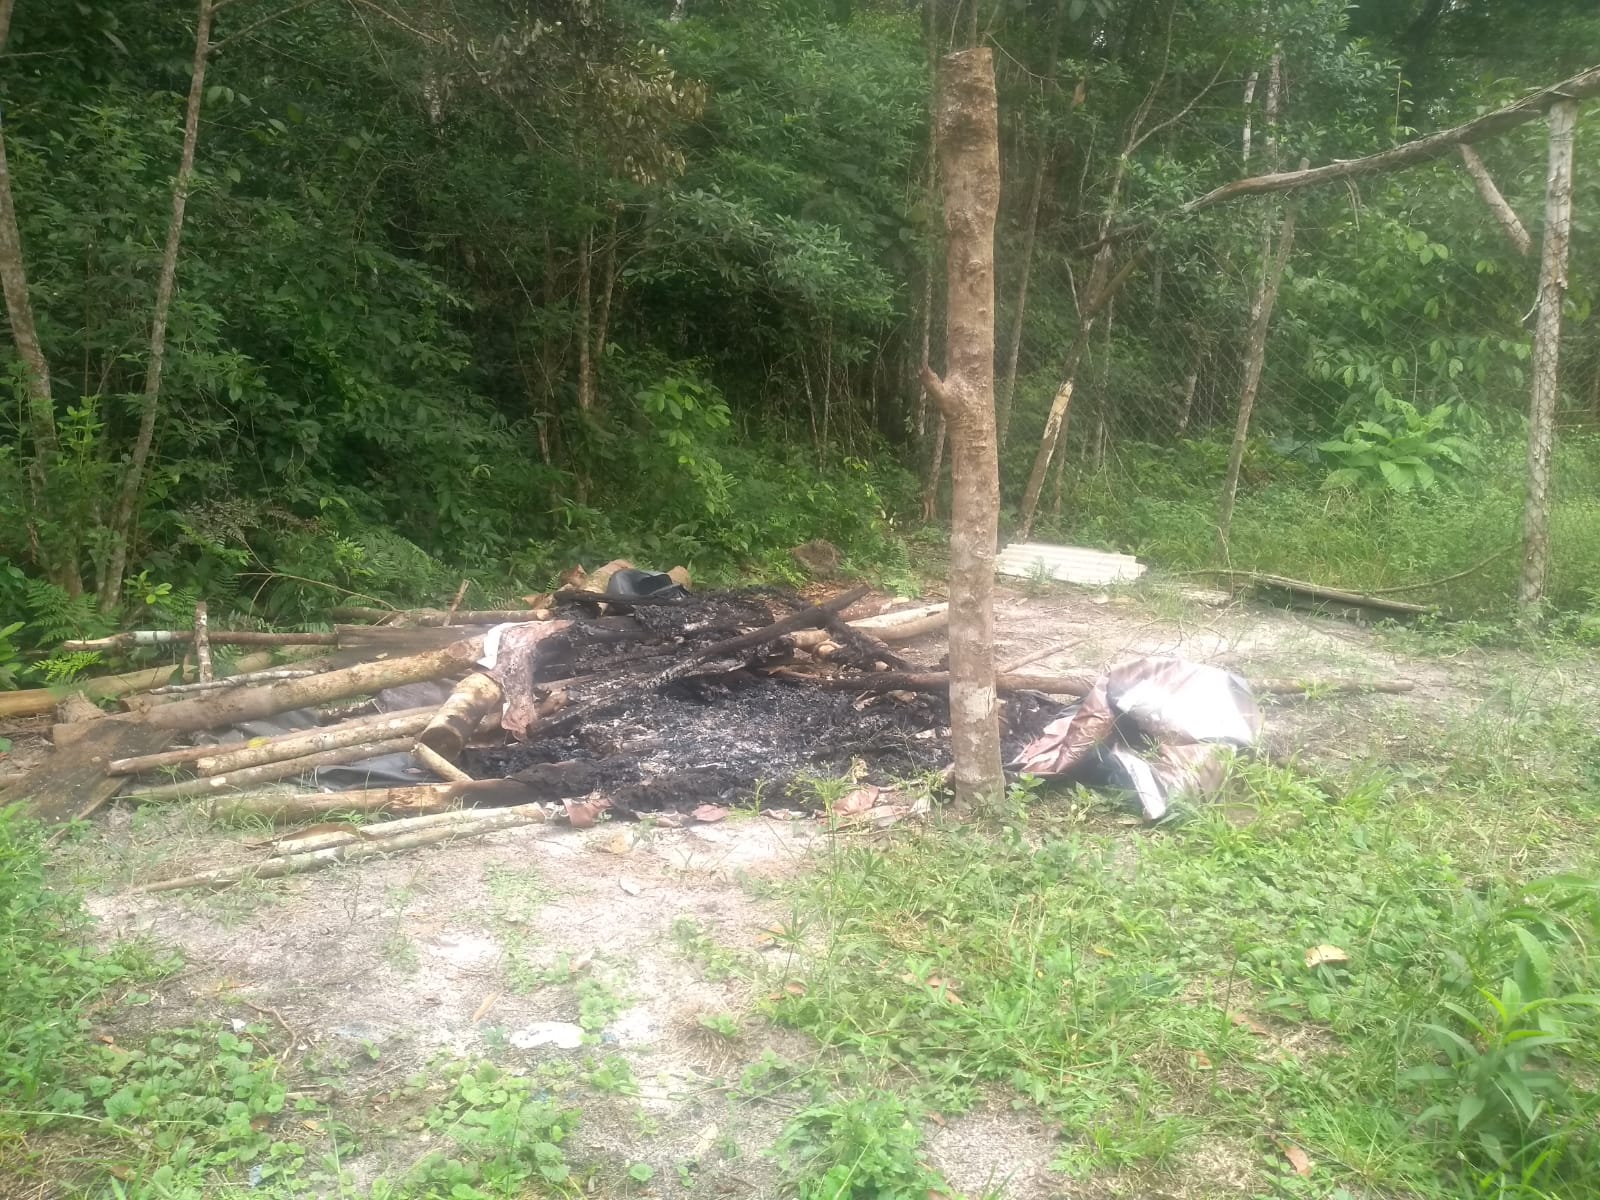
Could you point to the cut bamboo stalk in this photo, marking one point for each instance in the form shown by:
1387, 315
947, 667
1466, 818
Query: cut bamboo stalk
288, 768
355, 731
474, 698
471, 825
289, 843
285, 808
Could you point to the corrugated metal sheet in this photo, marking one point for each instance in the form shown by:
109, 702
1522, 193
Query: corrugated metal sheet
1069, 564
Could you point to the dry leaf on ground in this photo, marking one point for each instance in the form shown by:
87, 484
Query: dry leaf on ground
1319, 956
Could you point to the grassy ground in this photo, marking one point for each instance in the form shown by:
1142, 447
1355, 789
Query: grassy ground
1369, 971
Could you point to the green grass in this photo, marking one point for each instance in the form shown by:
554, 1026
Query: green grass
1161, 504
1150, 991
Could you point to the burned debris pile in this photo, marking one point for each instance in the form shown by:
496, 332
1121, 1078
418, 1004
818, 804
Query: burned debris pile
633, 695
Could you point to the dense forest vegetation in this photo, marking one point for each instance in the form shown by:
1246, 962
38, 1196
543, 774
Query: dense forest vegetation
482, 287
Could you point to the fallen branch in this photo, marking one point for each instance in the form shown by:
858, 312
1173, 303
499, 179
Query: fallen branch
321, 837
288, 768
1503, 212
369, 846
287, 745
184, 637
286, 808
1077, 684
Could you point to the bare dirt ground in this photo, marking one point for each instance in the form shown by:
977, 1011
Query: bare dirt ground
501, 947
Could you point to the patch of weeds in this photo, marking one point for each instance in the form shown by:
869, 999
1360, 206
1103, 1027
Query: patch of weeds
507, 1141
723, 1025
1109, 976
641, 1173
515, 894
400, 952
716, 960
614, 1077
598, 1005
862, 1145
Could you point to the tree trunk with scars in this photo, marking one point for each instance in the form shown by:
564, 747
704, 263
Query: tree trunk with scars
127, 504
969, 154
1547, 358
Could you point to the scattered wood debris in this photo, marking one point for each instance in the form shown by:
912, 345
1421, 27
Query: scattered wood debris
586, 704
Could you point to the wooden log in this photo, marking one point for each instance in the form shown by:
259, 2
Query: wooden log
232, 681
288, 768
251, 704
184, 637
299, 742
470, 825
865, 643
906, 624
1315, 591
442, 616
287, 808
365, 732
474, 698
105, 687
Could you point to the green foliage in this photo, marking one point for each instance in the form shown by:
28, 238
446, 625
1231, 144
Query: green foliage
47, 975
1102, 977
509, 1141
857, 1147
1403, 454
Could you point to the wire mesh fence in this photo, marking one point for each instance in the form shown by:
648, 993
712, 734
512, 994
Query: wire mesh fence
1387, 433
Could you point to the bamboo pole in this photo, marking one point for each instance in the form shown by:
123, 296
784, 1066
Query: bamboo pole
370, 846
286, 808
287, 768
300, 742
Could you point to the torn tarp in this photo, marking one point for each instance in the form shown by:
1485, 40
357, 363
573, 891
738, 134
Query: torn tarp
1153, 726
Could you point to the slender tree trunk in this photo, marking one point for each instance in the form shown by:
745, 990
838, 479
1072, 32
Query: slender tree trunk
1547, 358
61, 567
1507, 217
935, 475
1186, 405
1030, 230
1255, 359
122, 515
602, 320
970, 161
585, 320
1019, 315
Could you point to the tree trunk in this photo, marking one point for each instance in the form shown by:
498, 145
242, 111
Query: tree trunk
969, 155
1030, 230
1507, 217
122, 516
1266, 298
1547, 358
41, 419
585, 299
1255, 360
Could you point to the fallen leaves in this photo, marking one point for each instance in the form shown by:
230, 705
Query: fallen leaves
631, 886
1298, 1158
936, 983
1246, 1022
1325, 955
709, 813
